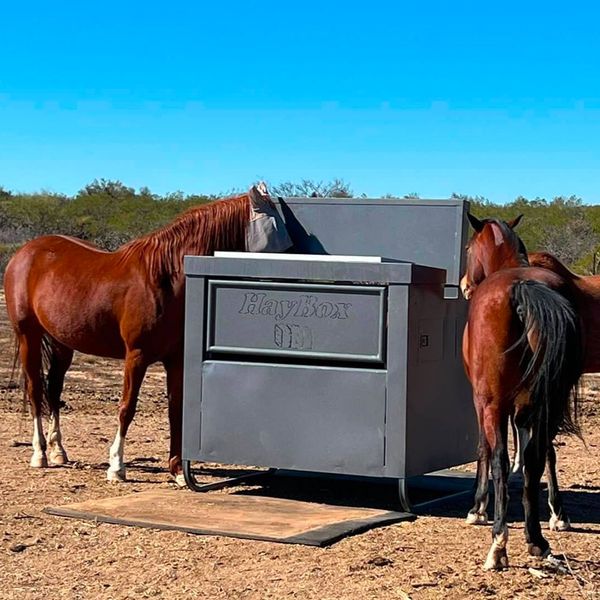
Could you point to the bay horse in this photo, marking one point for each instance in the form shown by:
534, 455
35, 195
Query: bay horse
523, 353
585, 290
64, 294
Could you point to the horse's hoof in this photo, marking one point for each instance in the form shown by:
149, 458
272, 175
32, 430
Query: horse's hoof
179, 480
558, 524
116, 476
496, 560
477, 518
39, 461
537, 551
58, 458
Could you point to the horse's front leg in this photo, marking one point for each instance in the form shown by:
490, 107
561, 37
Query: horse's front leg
135, 369
497, 437
174, 369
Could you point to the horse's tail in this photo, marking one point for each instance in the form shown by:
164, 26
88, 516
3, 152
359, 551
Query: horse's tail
553, 357
15, 363
46, 352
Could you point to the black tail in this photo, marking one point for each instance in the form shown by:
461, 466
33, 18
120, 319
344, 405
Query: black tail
554, 357
47, 351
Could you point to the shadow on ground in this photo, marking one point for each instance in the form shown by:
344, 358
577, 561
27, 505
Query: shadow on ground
449, 495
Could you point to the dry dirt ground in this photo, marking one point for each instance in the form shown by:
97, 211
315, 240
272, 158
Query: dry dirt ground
437, 556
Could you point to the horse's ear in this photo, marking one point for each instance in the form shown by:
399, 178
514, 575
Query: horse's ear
476, 224
512, 224
261, 186
259, 195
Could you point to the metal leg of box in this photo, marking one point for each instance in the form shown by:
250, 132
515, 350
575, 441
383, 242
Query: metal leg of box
403, 496
193, 484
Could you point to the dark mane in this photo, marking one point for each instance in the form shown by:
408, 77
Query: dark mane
200, 230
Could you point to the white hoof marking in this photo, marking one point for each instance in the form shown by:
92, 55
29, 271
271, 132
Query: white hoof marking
557, 524
38, 460
116, 476
180, 480
477, 518
58, 458
497, 558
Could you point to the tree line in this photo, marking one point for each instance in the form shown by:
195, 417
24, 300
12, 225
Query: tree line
108, 213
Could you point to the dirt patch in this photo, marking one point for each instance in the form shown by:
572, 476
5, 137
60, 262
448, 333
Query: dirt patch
434, 557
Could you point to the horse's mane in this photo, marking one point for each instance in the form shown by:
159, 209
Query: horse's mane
201, 230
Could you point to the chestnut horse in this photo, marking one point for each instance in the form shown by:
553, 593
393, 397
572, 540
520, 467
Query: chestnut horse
522, 350
63, 294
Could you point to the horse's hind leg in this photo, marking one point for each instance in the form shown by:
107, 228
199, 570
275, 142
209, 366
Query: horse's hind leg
30, 351
174, 368
535, 458
559, 521
60, 361
478, 515
497, 432
135, 369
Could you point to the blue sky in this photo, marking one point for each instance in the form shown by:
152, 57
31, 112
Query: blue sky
492, 99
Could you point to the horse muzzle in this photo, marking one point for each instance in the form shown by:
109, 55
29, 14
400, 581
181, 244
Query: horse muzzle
466, 288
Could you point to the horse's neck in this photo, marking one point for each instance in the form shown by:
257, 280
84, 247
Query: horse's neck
505, 260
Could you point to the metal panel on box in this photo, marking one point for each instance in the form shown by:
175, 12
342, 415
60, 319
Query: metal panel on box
271, 418
282, 319
425, 232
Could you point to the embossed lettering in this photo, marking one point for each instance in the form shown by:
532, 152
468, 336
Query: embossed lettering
251, 303
269, 307
305, 307
325, 309
342, 310
291, 336
285, 308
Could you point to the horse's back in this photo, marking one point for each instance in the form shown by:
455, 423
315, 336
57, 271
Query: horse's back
66, 287
44, 259
501, 282
548, 261
491, 306
493, 325
26, 267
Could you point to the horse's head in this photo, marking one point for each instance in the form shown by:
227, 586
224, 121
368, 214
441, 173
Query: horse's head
494, 246
266, 231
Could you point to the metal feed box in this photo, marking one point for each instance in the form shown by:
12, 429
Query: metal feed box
334, 365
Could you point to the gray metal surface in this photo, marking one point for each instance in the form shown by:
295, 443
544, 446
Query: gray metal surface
293, 416
335, 367
442, 430
426, 232
339, 272
296, 320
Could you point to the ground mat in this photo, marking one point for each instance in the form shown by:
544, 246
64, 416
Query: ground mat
232, 515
